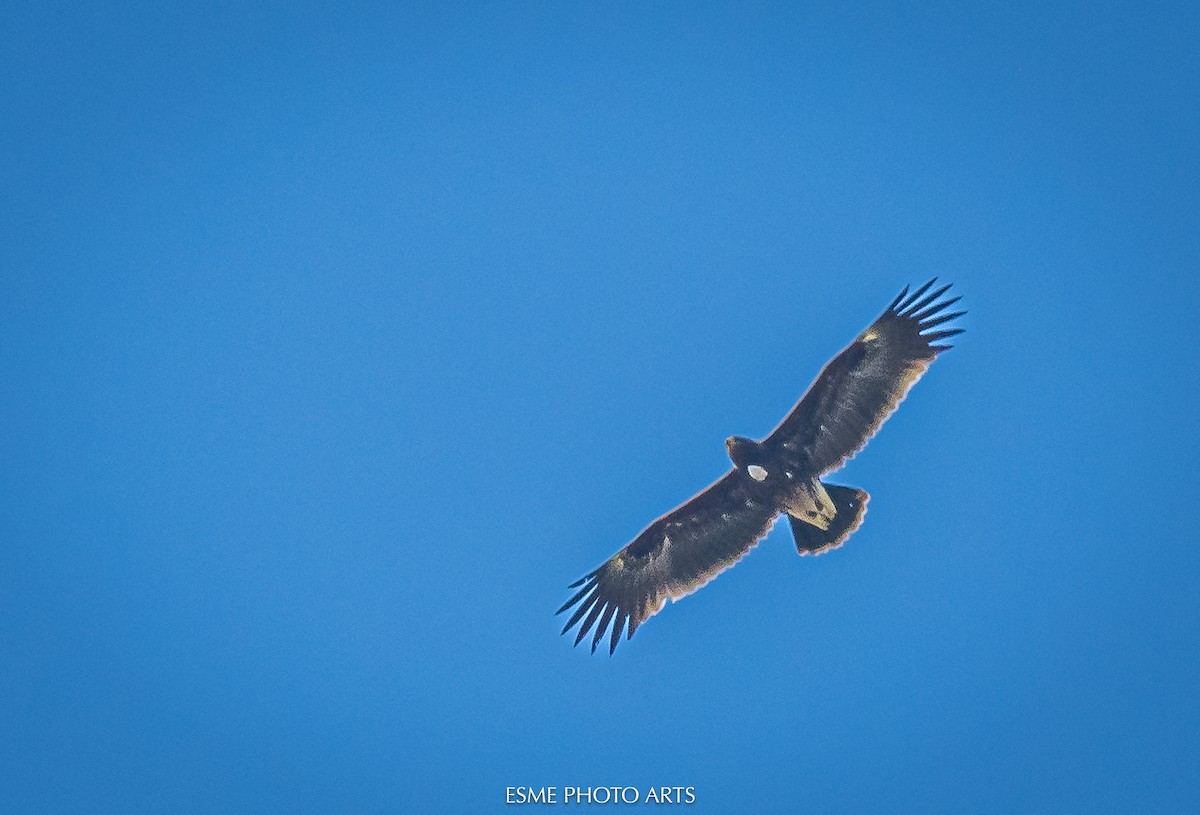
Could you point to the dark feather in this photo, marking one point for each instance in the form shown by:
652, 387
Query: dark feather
913, 309
912, 298
945, 318
616, 632
899, 297
590, 619
936, 307
577, 596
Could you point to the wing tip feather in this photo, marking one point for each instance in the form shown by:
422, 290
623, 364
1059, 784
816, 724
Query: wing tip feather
922, 316
941, 335
584, 606
581, 580
577, 596
918, 305
926, 312
618, 624
912, 298
602, 625
933, 322
586, 625
892, 306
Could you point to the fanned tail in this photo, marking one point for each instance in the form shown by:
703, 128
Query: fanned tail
851, 506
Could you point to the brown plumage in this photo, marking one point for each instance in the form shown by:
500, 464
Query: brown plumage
693, 543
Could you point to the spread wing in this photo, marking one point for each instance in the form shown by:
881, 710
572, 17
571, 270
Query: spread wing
860, 387
677, 554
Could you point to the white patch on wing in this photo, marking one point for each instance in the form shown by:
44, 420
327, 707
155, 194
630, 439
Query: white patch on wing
756, 472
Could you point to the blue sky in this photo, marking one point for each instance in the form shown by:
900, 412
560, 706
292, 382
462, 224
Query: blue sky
338, 341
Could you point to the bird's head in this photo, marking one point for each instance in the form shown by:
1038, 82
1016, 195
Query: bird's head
742, 451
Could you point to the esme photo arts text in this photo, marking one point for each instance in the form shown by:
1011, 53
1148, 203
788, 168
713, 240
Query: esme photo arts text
552, 796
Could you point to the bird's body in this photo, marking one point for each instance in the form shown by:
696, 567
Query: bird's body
784, 479
690, 545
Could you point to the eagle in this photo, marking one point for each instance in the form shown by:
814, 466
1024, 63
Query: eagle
842, 409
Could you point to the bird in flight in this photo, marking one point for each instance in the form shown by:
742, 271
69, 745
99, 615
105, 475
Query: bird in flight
686, 548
